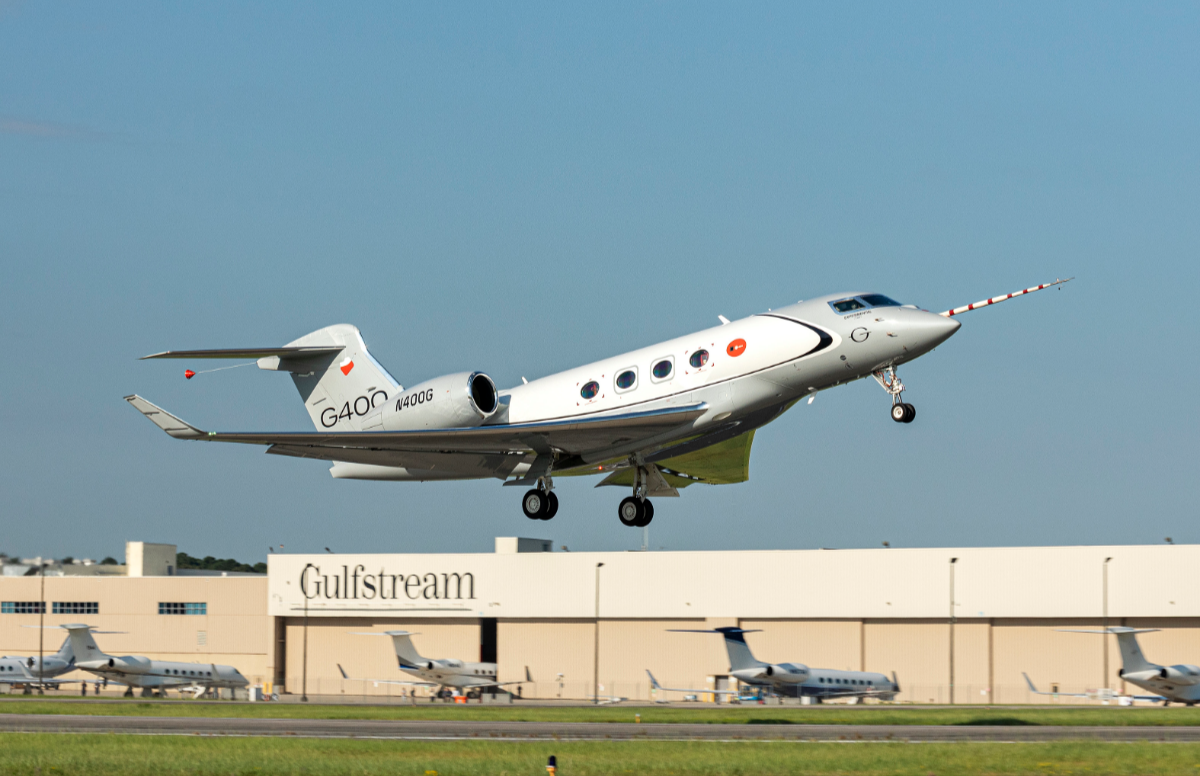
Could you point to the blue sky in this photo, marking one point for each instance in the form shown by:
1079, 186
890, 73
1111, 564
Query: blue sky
520, 188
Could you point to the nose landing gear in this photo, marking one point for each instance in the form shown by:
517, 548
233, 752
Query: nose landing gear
890, 381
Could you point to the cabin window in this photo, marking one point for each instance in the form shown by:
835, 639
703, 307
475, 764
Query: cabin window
590, 389
663, 369
699, 358
627, 380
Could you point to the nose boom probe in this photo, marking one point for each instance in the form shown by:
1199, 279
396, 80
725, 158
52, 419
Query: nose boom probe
995, 299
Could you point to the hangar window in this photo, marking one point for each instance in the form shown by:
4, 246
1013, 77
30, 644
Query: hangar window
699, 358
589, 390
848, 305
182, 608
663, 369
76, 607
627, 380
22, 607
879, 300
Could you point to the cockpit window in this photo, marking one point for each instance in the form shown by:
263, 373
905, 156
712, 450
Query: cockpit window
879, 300
848, 305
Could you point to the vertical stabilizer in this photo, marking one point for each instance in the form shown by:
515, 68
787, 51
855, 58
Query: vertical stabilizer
1132, 658
83, 647
339, 388
740, 655
406, 653
65, 653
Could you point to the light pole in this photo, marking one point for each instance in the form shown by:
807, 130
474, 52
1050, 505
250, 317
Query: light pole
596, 644
953, 561
1104, 577
304, 666
42, 631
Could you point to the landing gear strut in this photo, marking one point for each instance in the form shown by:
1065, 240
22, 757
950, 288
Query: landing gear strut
890, 381
540, 503
636, 511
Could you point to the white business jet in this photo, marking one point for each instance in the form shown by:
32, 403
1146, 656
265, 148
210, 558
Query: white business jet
791, 679
152, 676
1178, 683
458, 675
32, 671
654, 420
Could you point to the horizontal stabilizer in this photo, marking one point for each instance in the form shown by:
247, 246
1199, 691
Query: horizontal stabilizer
1116, 630
164, 420
248, 353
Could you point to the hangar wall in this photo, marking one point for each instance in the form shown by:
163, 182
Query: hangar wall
877, 610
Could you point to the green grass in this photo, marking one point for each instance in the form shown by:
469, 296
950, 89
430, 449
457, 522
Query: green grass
97, 755
860, 715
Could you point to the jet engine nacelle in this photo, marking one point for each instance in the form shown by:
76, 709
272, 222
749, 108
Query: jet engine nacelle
461, 400
128, 664
1181, 674
781, 673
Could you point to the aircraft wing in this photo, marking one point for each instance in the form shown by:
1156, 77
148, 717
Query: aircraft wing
385, 681
1092, 695
573, 436
654, 684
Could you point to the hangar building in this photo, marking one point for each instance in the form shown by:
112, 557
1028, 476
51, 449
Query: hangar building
954, 624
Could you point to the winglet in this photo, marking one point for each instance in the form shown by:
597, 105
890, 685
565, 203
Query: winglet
165, 420
528, 676
339, 665
1029, 682
653, 682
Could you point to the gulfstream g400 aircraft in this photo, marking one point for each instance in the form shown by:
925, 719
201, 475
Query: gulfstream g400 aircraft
654, 420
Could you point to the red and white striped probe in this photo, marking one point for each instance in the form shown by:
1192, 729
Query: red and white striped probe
995, 299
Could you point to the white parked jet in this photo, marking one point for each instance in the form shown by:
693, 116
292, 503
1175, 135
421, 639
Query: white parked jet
791, 679
30, 671
654, 420
1178, 683
458, 675
150, 675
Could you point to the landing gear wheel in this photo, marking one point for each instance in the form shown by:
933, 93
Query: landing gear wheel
551, 506
648, 514
912, 413
899, 412
535, 504
631, 512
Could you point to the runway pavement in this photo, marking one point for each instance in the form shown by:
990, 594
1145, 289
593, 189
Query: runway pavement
574, 731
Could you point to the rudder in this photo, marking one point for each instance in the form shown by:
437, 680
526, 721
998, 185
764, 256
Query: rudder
337, 389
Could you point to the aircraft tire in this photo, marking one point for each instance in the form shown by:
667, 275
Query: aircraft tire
535, 504
648, 509
551, 506
899, 412
911, 414
631, 512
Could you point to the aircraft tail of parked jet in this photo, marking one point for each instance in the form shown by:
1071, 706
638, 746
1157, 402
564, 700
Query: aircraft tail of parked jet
338, 379
740, 655
406, 651
81, 643
1132, 658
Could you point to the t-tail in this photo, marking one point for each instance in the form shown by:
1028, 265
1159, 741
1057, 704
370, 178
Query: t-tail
740, 655
339, 381
406, 654
82, 646
1132, 659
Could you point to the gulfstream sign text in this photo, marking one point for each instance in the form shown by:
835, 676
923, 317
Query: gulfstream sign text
352, 582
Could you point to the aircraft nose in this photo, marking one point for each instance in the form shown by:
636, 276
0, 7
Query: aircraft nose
932, 329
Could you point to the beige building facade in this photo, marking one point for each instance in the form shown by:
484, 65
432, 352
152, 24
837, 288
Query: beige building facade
878, 610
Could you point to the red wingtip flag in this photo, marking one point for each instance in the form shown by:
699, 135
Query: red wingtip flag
189, 374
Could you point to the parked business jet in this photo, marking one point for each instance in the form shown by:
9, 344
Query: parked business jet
791, 679
458, 675
654, 420
150, 675
32, 671
1178, 683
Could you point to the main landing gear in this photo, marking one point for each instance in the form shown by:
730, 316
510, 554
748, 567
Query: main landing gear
540, 503
636, 511
890, 381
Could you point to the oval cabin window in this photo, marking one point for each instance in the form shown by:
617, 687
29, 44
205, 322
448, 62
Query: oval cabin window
590, 390
626, 379
662, 370
699, 358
